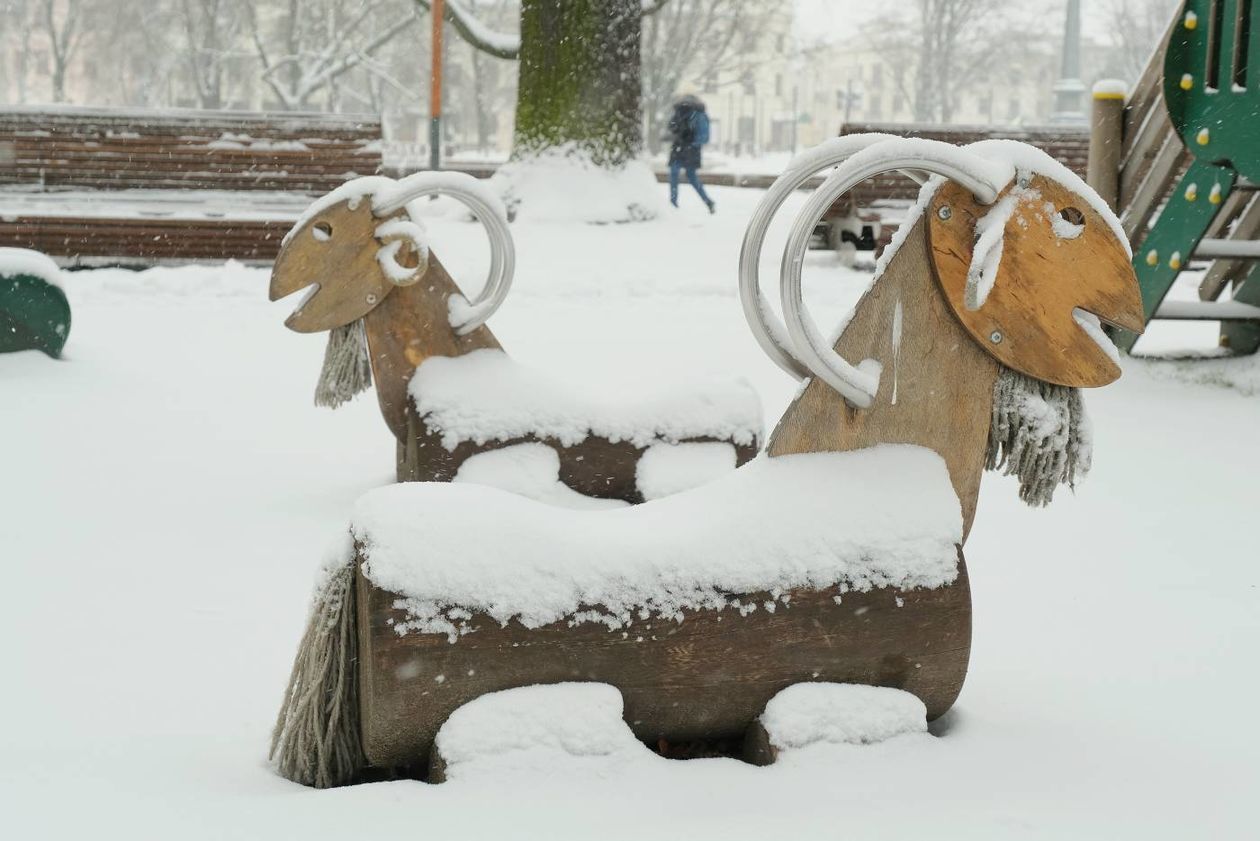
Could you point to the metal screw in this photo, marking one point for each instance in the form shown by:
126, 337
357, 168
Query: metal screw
944, 212
371, 298
996, 337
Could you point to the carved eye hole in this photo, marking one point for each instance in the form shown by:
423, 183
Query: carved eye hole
322, 231
1072, 216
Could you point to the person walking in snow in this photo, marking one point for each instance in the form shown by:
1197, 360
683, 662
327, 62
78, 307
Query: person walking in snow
688, 131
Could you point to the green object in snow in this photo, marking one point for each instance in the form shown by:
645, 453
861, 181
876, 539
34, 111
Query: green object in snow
1212, 93
34, 315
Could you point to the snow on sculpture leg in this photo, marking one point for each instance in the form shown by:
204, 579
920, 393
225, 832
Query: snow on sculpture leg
836, 559
807, 715
396, 318
561, 728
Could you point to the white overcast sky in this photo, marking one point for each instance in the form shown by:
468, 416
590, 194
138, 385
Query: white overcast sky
837, 19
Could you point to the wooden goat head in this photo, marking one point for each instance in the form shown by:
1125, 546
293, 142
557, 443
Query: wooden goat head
1004, 264
359, 243
352, 257
1025, 290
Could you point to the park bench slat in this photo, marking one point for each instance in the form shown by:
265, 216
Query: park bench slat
109, 182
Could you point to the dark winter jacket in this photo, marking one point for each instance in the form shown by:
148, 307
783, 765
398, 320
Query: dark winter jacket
688, 131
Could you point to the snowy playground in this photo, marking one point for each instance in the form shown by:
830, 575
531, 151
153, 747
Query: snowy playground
602, 421
169, 492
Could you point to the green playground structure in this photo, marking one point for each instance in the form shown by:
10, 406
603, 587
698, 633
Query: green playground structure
34, 312
1184, 149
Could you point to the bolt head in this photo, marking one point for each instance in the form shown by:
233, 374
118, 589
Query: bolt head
996, 337
371, 298
944, 213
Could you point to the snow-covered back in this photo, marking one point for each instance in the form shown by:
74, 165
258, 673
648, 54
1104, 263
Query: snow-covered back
665, 469
16, 261
562, 728
841, 713
883, 517
530, 470
488, 396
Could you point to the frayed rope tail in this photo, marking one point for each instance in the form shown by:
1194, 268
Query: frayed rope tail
316, 740
1039, 433
347, 368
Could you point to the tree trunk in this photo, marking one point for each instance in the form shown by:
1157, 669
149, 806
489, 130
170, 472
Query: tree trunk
579, 78
59, 83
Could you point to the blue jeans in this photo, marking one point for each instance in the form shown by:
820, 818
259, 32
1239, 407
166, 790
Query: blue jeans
692, 178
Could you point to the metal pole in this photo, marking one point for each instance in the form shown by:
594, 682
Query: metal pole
1069, 89
435, 90
795, 115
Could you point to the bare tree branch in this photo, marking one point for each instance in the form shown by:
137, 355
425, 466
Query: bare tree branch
476, 33
304, 71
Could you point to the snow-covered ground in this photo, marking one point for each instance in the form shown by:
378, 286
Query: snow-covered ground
167, 491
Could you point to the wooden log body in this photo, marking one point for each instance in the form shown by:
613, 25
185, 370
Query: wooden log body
708, 676
411, 325
595, 466
406, 325
711, 675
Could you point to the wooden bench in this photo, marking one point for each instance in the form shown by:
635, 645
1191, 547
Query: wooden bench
131, 187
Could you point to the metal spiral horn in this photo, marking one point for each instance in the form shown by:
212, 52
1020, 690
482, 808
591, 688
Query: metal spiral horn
394, 234
983, 177
489, 213
770, 332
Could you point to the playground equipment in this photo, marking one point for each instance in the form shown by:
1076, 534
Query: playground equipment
1192, 119
397, 318
836, 558
34, 312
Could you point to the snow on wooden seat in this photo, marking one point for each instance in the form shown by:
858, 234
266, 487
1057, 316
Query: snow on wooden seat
887, 516
487, 396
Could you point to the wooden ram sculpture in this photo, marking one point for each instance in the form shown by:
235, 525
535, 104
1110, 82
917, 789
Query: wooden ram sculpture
837, 557
391, 307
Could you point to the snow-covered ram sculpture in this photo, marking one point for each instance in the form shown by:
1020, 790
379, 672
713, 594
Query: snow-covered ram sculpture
446, 389
836, 557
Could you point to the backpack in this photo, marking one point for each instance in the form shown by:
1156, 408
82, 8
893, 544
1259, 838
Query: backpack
682, 125
699, 128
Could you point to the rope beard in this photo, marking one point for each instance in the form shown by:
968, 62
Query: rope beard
316, 740
347, 368
1040, 434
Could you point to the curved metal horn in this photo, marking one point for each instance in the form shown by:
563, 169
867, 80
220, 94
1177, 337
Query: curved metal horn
767, 328
489, 212
983, 177
394, 234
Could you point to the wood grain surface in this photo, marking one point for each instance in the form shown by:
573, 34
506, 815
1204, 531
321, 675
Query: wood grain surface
709, 676
1026, 322
935, 389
